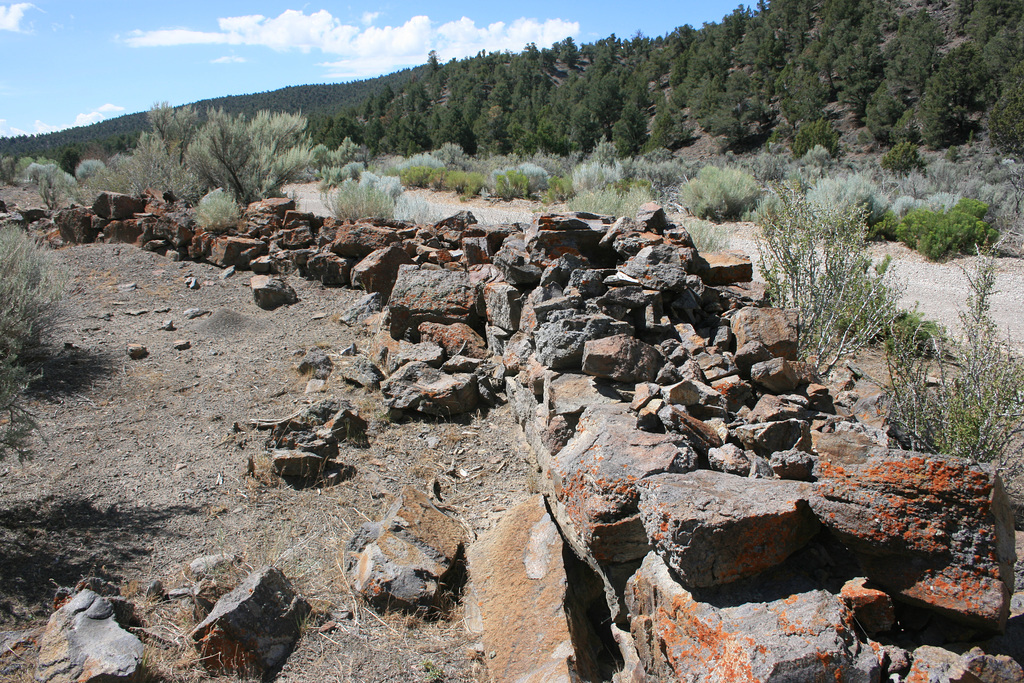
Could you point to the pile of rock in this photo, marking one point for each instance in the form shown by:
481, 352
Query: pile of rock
731, 515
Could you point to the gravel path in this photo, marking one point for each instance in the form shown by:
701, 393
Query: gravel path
939, 290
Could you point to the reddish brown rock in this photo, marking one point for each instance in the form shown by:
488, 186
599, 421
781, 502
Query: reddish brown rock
417, 386
359, 240
272, 206
378, 271
75, 225
872, 607
117, 206
713, 528
776, 328
124, 232
777, 375
330, 269
933, 531
806, 636
235, 251
457, 339
517, 601
723, 267
621, 358
439, 296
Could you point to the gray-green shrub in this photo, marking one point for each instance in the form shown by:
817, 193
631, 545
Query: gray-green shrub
29, 293
8, 169
719, 193
53, 184
88, 168
854, 190
353, 200
511, 184
594, 175
150, 164
966, 397
815, 259
250, 158
217, 211
707, 236
611, 201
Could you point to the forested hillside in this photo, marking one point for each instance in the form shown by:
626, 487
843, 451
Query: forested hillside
898, 70
120, 133
882, 71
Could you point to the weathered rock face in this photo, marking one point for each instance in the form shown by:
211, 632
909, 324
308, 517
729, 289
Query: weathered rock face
83, 643
457, 339
116, 206
560, 343
714, 528
805, 636
379, 270
417, 386
254, 627
403, 561
437, 296
361, 239
621, 358
596, 476
517, 600
776, 328
934, 531
330, 269
75, 226
235, 251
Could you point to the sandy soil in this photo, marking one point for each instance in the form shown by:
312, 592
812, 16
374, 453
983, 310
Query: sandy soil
140, 466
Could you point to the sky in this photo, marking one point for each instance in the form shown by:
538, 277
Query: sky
75, 62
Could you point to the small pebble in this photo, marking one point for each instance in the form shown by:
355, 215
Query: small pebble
182, 344
229, 272
167, 326
137, 351
192, 283
193, 313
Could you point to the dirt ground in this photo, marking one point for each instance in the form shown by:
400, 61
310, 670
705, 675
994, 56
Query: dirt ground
140, 466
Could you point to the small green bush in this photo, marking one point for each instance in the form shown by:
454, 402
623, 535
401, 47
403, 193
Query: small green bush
452, 156
720, 193
512, 184
217, 212
30, 289
902, 159
962, 398
611, 201
424, 160
707, 236
419, 176
465, 183
814, 259
885, 229
814, 133
333, 176
936, 234
355, 200
8, 169
559, 189
53, 184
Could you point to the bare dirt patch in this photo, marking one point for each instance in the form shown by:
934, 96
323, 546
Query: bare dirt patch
141, 466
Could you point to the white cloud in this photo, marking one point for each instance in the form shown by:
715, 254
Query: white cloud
94, 116
9, 131
11, 16
370, 50
228, 59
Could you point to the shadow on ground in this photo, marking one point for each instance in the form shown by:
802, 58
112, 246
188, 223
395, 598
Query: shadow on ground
67, 373
54, 543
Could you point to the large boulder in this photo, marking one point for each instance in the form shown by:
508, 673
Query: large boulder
330, 269
235, 251
361, 239
933, 531
254, 627
271, 292
75, 225
439, 296
664, 267
83, 643
404, 561
714, 528
116, 206
803, 636
519, 587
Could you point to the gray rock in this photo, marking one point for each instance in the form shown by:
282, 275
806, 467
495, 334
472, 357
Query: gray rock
317, 364
661, 266
778, 329
777, 375
254, 627
714, 528
768, 437
560, 343
570, 393
208, 565
417, 386
403, 561
516, 263
363, 308
621, 358
793, 464
504, 305
270, 293
83, 643
438, 296
361, 370
797, 637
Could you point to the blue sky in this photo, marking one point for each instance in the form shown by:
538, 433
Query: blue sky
77, 62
